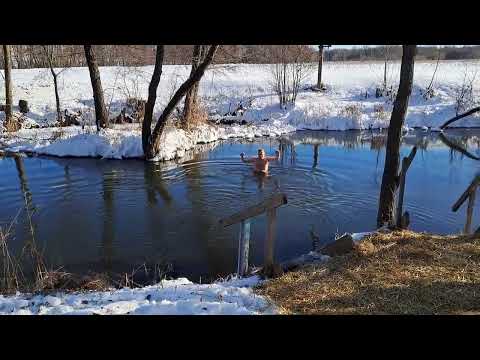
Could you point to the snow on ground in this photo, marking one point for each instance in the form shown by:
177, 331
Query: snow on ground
170, 297
344, 106
125, 141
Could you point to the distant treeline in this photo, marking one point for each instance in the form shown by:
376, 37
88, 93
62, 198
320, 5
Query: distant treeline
363, 53
33, 56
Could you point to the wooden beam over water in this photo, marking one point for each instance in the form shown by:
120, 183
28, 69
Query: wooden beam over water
466, 193
255, 210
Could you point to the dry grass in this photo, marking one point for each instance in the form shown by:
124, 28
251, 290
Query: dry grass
14, 269
353, 111
380, 113
12, 126
11, 272
58, 134
397, 273
58, 280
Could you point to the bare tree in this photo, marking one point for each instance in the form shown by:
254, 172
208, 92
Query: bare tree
392, 157
429, 93
100, 109
49, 54
291, 67
152, 143
7, 61
152, 98
386, 53
464, 93
199, 52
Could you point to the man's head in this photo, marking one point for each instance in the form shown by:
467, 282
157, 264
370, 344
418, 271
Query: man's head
261, 154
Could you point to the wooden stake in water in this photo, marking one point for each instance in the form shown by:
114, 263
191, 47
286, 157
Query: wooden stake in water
269, 239
471, 201
243, 247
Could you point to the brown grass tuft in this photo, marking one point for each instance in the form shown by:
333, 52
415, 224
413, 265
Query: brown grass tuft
398, 273
13, 125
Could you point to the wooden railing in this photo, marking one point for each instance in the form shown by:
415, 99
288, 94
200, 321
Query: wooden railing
470, 195
243, 217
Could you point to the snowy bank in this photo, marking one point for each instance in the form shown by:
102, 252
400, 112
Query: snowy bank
125, 141
170, 297
348, 103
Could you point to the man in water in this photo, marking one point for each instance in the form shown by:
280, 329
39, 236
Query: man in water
261, 162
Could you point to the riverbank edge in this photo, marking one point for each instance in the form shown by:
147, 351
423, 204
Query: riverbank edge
124, 142
387, 272
90, 287
94, 286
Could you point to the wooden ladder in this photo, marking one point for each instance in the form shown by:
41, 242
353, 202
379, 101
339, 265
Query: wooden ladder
243, 217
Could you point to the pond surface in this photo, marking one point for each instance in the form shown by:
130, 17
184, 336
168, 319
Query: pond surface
107, 215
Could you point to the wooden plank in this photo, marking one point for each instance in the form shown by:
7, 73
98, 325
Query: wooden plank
270, 203
406, 161
315, 155
243, 248
466, 193
471, 201
270, 238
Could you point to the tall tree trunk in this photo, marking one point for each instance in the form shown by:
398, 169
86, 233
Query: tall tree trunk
7, 59
57, 97
191, 96
152, 97
320, 64
154, 142
392, 157
100, 109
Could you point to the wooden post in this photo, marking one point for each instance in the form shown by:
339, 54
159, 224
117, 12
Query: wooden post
243, 248
320, 65
269, 239
406, 161
315, 155
471, 201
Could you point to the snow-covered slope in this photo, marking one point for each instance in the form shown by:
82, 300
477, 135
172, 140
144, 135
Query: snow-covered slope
170, 297
349, 103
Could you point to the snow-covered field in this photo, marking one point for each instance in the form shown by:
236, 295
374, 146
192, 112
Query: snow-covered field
170, 297
344, 106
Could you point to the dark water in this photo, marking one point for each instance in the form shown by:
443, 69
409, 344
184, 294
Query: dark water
108, 215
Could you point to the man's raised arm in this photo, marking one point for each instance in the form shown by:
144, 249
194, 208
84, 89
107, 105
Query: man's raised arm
246, 160
276, 157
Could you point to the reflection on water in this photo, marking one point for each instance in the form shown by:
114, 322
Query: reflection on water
113, 216
108, 220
